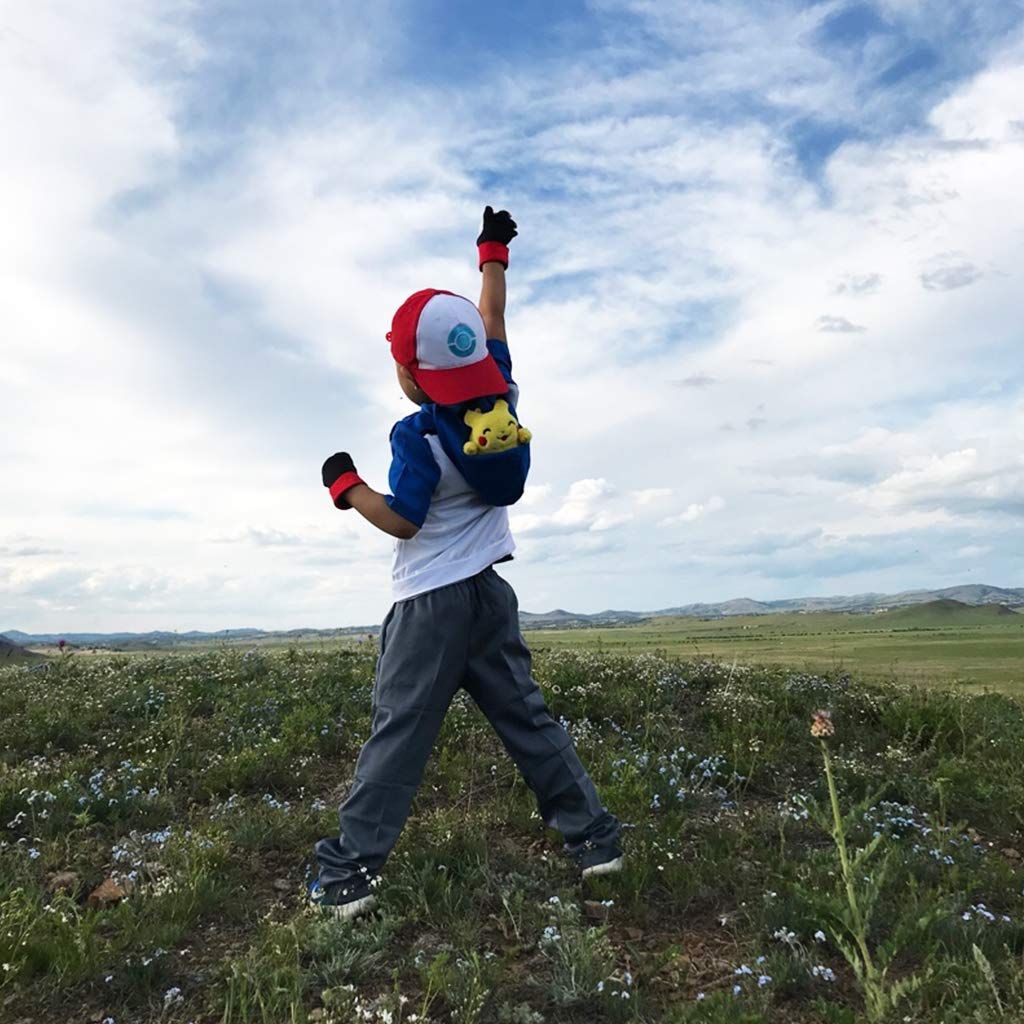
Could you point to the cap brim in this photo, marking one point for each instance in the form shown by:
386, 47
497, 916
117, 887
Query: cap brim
462, 383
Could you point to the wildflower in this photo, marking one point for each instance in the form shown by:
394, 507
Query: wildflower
172, 996
823, 972
819, 936
821, 724
737, 989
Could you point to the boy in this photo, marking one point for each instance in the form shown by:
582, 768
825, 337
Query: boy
455, 621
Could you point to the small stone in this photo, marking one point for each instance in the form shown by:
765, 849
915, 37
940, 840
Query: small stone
595, 910
972, 834
634, 933
107, 893
63, 881
283, 885
1011, 854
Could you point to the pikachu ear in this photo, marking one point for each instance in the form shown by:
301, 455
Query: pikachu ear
470, 418
501, 406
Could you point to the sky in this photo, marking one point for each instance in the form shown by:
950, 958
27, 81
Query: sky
764, 307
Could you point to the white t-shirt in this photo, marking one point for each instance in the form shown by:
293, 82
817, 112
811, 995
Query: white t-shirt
461, 536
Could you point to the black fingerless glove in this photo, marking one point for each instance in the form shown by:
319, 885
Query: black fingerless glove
492, 243
339, 475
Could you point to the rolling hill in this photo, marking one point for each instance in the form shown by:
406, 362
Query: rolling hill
13, 654
945, 612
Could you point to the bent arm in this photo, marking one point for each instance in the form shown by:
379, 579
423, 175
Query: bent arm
374, 508
492, 300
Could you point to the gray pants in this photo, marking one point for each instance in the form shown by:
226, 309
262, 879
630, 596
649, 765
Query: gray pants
463, 635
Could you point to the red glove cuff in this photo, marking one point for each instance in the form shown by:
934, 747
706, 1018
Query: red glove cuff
341, 485
493, 252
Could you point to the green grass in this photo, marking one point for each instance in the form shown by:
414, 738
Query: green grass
201, 781
935, 646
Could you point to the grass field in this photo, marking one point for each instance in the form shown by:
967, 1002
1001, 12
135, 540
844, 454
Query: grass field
942, 643
157, 815
932, 645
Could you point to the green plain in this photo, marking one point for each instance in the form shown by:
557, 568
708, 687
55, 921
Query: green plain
931, 644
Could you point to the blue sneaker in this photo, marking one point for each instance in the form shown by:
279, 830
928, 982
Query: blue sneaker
342, 902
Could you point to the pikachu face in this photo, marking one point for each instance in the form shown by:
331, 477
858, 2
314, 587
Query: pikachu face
493, 431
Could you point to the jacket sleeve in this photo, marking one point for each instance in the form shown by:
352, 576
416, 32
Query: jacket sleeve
414, 473
501, 355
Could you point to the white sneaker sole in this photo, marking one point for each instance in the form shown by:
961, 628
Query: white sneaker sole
609, 867
346, 911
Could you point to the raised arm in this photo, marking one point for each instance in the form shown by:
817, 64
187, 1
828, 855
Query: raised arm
492, 249
492, 299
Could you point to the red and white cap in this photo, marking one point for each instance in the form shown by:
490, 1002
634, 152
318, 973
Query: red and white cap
440, 337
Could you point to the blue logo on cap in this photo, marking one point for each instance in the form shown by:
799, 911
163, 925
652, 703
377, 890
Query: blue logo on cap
462, 341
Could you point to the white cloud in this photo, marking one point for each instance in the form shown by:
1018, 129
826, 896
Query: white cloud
588, 506
964, 481
973, 550
534, 494
694, 511
652, 495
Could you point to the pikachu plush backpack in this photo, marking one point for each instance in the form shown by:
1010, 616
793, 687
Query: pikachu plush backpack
485, 440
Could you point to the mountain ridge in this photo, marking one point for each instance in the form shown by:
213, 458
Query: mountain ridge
974, 594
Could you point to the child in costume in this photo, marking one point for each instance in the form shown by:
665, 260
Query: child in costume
456, 466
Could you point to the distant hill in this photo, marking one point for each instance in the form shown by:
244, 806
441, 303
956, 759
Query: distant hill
946, 612
14, 654
160, 639
156, 637
975, 595
972, 594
